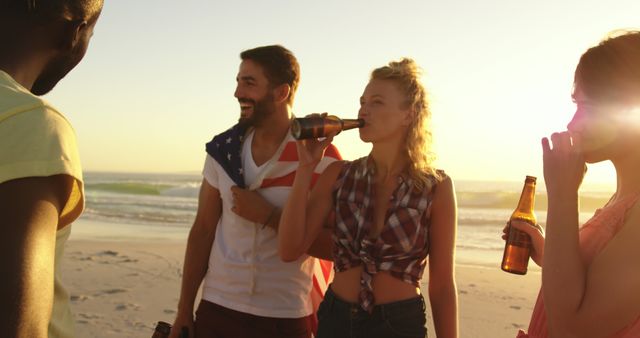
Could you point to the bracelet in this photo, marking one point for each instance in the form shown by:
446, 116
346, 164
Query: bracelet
273, 212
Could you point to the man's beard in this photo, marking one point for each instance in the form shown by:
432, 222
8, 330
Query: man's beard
262, 109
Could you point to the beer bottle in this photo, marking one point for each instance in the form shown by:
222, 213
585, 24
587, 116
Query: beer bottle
163, 329
518, 246
321, 126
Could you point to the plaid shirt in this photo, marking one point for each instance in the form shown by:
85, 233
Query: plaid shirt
403, 244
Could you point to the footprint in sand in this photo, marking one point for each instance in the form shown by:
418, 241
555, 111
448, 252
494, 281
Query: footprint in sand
107, 253
515, 307
78, 298
128, 260
127, 306
463, 292
138, 325
169, 311
110, 292
89, 315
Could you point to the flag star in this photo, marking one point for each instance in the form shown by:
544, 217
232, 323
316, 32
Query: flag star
228, 140
229, 157
240, 138
217, 145
240, 171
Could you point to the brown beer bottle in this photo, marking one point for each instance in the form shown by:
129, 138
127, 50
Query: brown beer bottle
321, 126
163, 329
518, 246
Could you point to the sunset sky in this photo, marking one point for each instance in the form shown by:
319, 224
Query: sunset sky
158, 80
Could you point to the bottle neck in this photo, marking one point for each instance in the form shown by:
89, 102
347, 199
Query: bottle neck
526, 203
352, 123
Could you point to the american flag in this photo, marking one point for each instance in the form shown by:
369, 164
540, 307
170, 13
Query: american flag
226, 149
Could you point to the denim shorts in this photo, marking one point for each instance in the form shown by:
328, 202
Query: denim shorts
340, 319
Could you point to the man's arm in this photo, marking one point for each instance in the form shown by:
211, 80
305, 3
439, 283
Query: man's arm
322, 246
30, 210
196, 258
252, 206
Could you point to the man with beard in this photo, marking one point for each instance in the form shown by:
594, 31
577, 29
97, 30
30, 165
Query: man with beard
40, 175
248, 172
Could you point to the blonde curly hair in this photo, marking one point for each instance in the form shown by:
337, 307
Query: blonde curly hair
406, 74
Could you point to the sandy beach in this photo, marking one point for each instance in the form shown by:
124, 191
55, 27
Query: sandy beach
123, 279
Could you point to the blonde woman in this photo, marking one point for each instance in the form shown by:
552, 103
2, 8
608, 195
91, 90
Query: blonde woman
388, 210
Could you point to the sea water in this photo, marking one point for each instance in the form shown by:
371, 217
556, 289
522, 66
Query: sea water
171, 200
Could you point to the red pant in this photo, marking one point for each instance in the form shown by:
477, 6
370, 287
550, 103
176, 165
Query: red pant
215, 321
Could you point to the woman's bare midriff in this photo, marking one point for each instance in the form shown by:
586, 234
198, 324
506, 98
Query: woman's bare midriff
386, 288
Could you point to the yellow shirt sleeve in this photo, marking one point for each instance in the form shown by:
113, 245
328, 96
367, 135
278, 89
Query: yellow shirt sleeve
38, 141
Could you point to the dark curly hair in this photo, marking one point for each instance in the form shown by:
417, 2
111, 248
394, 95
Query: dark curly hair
279, 64
52, 9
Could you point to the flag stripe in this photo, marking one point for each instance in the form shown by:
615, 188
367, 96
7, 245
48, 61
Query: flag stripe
290, 153
326, 266
285, 181
332, 152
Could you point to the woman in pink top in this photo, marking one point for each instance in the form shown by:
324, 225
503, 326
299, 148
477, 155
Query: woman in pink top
591, 274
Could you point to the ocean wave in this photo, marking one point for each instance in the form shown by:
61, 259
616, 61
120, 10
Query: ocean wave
172, 199
132, 188
181, 191
466, 199
509, 200
142, 188
115, 201
467, 246
152, 217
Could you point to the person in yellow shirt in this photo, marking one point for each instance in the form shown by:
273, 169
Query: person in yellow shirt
41, 190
